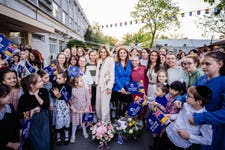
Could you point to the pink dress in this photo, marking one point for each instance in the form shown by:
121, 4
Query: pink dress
14, 97
80, 100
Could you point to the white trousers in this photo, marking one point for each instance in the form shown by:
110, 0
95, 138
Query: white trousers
102, 105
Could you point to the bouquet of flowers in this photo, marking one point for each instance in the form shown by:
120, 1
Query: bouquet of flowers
127, 128
103, 132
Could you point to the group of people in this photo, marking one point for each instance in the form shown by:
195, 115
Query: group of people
190, 92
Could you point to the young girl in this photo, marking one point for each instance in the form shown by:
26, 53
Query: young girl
162, 77
36, 99
144, 57
15, 61
91, 66
160, 92
21, 69
61, 91
86, 74
46, 84
214, 69
61, 62
9, 78
80, 104
9, 123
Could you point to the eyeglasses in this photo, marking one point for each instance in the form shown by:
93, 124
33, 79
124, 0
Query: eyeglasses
188, 96
187, 63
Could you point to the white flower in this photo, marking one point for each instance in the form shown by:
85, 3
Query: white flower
131, 131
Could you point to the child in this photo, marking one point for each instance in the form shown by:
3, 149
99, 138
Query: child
162, 77
80, 104
46, 84
61, 91
213, 66
91, 66
36, 99
160, 100
181, 134
9, 78
9, 124
176, 88
86, 74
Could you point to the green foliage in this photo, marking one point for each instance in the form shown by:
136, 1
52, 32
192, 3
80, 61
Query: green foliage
76, 43
95, 35
158, 15
220, 4
211, 24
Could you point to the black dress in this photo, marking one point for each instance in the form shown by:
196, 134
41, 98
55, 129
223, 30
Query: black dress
9, 127
39, 129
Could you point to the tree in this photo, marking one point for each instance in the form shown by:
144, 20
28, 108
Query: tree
211, 24
157, 15
95, 37
220, 4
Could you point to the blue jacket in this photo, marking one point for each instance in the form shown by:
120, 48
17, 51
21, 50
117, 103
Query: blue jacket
216, 110
122, 76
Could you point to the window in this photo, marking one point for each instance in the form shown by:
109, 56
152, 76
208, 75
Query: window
62, 45
64, 17
38, 37
52, 46
70, 23
55, 10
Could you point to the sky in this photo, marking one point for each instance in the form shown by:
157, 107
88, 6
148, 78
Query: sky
116, 11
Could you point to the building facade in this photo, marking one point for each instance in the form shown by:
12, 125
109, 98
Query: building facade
46, 25
185, 45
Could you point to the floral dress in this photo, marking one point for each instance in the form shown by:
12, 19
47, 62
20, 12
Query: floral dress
80, 101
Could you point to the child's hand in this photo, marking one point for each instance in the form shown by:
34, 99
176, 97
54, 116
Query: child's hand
36, 92
191, 120
168, 116
51, 108
13, 145
74, 110
154, 103
86, 110
183, 134
36, 109
178, 104
56, 92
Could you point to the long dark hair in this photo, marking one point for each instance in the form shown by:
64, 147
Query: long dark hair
157, 66
218, 56
3, 74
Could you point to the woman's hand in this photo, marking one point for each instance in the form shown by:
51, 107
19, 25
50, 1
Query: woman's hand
123, 91
108, 91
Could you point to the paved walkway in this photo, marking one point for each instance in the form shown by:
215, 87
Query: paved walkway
142, 143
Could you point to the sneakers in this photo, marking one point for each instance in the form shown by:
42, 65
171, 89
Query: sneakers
85, 135
72, 139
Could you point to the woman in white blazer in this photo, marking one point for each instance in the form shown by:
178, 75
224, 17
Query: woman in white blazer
104, 81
